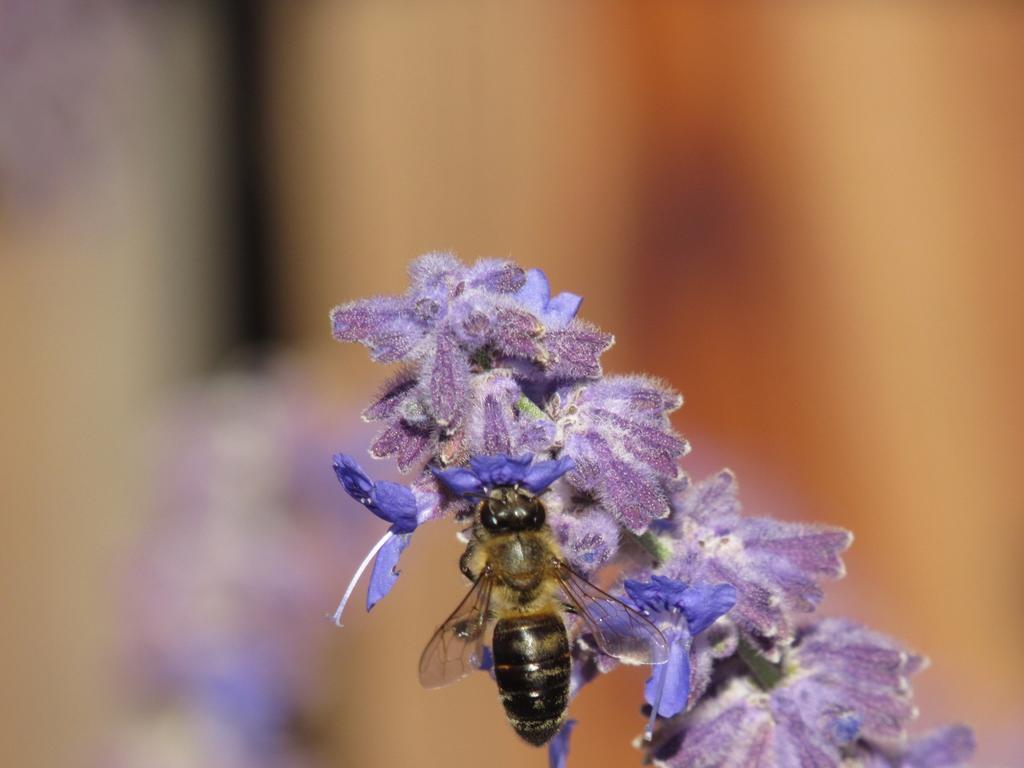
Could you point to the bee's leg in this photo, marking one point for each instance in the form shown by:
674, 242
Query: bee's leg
570, 608
466, 562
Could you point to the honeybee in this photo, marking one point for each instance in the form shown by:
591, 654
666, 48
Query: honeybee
522, 584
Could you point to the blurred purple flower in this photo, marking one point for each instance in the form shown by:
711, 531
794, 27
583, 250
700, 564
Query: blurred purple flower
220, 640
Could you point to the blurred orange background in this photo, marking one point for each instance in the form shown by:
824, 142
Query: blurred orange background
805, 217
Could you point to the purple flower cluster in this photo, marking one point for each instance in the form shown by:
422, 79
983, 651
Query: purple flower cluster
501, 385
453, 326
841, 684
774, 565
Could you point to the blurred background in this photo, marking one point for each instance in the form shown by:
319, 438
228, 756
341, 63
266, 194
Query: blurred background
807, 218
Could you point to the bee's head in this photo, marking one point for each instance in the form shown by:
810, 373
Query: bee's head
511, 510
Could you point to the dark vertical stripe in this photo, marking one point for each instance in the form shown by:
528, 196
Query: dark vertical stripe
247, 149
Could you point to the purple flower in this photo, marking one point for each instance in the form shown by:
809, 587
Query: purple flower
618, 431
389, 501
589, 538
535, 295
501, 419
403, 507
454, 324
487, 472
718, 643
410, 430
222, 651
774, 565
681, 612
558, 747
842, 682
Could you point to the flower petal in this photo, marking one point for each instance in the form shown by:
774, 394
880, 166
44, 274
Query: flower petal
671, 679
703, 604
657, 595
385, 574
542, 474
535, 295
558, 747
563, 308
396, 504
356, 482
536, 290
845, 727
460, 481
498, 470
389, 501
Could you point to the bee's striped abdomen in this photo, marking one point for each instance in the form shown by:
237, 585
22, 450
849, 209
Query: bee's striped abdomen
531, 664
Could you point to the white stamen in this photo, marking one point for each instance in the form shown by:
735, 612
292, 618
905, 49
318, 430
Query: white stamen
649, 730
336, 618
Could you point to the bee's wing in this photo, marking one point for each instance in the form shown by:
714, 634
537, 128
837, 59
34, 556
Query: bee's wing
457, 647
619, 630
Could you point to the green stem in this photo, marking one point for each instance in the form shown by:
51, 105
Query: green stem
528, 408
765, 673
481, 358
654, 546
